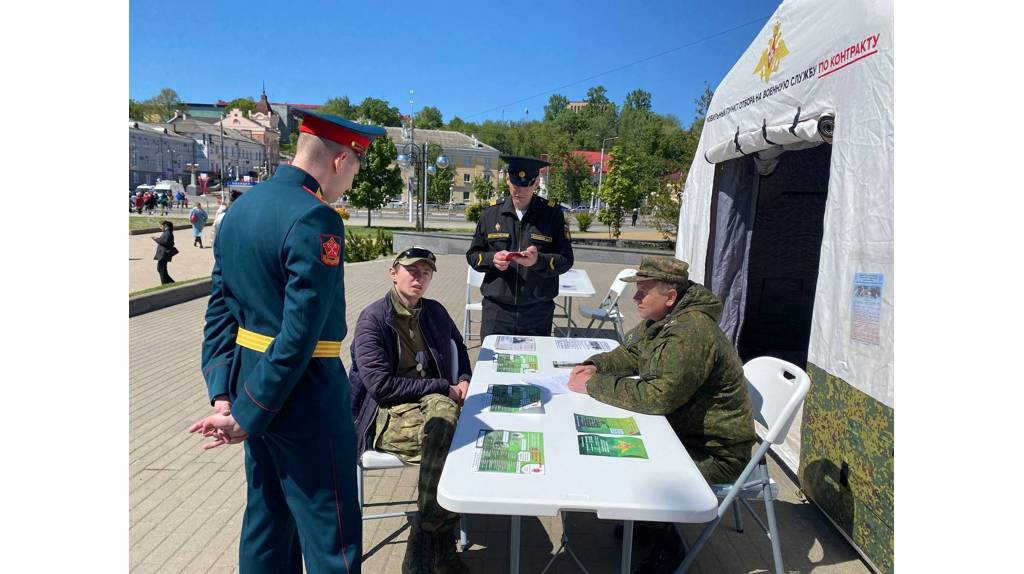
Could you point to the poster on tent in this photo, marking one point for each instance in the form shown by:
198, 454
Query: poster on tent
867, 307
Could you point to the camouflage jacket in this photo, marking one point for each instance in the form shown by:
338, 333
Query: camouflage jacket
688, 372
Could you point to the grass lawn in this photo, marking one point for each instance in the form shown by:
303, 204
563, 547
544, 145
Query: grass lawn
152, 222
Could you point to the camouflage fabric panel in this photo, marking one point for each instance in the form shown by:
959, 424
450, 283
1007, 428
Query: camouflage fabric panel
846, 462
399, 428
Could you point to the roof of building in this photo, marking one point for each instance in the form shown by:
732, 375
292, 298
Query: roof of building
447, 139
191, 125
593, 158
156, 128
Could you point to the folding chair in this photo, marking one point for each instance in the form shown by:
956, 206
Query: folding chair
474, 279
777, 389
376, 460
608, 310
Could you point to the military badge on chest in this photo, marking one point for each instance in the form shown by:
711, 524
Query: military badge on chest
330, 250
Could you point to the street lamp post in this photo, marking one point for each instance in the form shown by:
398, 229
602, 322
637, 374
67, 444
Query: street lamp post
416, 155
600, 173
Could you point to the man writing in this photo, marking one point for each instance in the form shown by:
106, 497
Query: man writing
678, 363
521, 245
271, 347
403, 399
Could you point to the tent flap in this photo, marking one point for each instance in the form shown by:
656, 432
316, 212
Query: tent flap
799, 133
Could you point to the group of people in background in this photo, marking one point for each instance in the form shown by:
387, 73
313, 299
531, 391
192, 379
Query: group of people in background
149, 201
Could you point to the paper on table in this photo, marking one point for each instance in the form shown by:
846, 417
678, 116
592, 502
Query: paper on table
555, 384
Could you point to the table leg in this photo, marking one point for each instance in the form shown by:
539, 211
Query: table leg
513, 549
627, 545
568, 316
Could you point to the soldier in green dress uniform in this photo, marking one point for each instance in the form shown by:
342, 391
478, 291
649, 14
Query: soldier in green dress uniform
271, 356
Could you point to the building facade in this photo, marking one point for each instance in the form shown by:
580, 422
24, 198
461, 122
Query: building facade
470, 159
156, 152
226, 152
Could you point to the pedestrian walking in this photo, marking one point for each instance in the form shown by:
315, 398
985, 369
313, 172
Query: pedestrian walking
150, 202
197, 217
163, 201
165, 250
180, 200
140, 202
636, 214
271, 356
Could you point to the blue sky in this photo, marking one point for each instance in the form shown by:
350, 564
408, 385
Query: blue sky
476, 60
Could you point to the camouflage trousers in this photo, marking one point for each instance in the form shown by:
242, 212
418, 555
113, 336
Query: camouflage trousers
420, 433
723, 466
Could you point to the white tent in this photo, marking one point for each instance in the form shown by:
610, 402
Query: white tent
787, 212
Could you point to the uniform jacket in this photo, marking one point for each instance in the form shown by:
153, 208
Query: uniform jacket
375, 353
688, 371
499, 229
165, 248
278, 272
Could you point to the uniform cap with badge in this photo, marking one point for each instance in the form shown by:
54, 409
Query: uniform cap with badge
522, 170
661, 268
339, 130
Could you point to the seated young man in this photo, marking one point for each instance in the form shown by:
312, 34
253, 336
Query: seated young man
678, 363
403, 401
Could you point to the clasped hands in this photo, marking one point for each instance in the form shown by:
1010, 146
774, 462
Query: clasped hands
458, 392
527, 258
220, 425
579, 376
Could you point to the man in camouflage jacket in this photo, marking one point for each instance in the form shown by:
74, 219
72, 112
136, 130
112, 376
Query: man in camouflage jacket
688, 371
677, 363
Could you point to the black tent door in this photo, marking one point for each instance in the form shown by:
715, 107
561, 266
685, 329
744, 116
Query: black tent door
764, 250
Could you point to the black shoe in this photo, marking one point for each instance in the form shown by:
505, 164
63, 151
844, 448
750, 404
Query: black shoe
664, 557
446, 557
419, 552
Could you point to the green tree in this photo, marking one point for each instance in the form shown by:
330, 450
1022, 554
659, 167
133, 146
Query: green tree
166, 103
378, 181
428, 118
638, 100
622, 188
483, 189
140, 111
597, 96
245, 104
380, 113
340, 107
439, 185
663, 206
556, 103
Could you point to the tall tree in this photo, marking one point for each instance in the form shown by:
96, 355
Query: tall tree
638, 100
245, 104
439, 185
556, 103
622, 188
340, 107
379, 112
379, 180
597, 96
428, 118
166, 103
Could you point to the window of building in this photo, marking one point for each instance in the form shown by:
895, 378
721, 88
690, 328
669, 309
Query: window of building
487, 177
467, 161
465, 178
465, 196
487, 165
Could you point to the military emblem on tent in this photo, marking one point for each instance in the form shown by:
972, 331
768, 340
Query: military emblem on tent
772, 55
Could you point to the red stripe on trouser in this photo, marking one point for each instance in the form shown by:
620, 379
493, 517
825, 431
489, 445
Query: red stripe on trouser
337, 507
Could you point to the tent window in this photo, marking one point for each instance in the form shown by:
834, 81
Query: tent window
764, 250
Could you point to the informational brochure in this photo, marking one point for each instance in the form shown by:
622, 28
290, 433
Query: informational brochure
515, 399
509, 363
555, 384
596, 345
509, 452
515, 343
613, 446
606, 425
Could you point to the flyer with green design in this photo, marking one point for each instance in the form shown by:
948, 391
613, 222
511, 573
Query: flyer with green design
515, 399
508, 363
509, 452
613, 446
605, 425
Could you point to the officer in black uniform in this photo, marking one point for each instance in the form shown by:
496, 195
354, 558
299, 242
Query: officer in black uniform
522, 245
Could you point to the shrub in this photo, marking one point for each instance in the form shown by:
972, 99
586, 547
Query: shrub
473, 212
342, 212
368, 247
583, 220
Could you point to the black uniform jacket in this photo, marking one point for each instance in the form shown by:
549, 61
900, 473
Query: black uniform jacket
498, 229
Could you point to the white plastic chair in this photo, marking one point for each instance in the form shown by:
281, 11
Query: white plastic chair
474, 279
608, 310
376, 460
777, 389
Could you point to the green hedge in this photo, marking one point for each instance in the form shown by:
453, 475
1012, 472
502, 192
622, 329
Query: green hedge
473, 212
583, 220
366, 247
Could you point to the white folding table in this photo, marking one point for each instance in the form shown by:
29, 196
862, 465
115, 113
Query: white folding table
666, 487
573, 283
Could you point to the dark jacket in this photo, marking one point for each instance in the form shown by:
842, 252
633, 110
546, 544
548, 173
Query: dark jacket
499, 229
375, 353
165, 248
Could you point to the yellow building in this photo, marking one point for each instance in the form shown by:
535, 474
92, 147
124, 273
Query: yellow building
469, 158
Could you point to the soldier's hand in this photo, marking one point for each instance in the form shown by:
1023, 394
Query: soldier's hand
501, 260
221, 405
222, 428
578, 379
463, 387
530, 258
